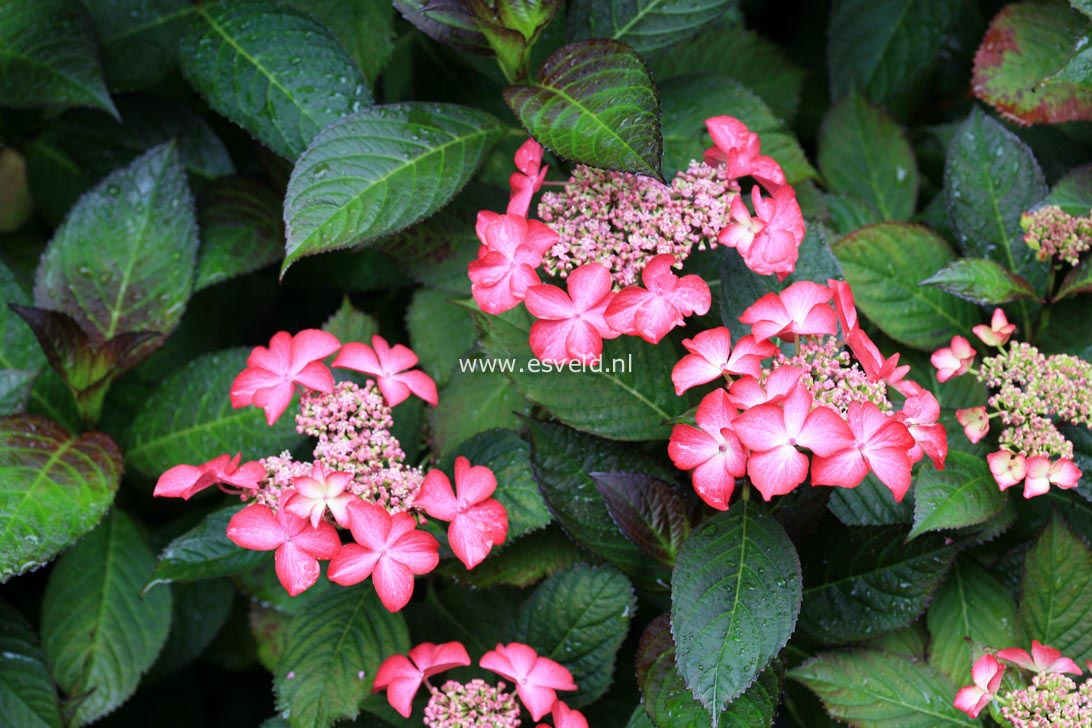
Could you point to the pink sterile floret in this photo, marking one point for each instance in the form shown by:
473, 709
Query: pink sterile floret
298, 544
272, 374
401, 676
185, 481
536, 678
571, 326
390, 366
663, 304
478, 521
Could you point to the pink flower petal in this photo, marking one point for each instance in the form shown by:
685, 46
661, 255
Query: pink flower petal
352, 565
296, 569
436, 496
256, 528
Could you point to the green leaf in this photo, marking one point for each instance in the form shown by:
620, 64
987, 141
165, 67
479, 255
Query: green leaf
272, 70
241, 230
1077, 280
650, 512
963, 494
189, 419
473, 402
349, 324
379, 171
16, 205
849, 213
1073, 192
20, 357
980, 280
594, 102
509, 457
123, 259
643, 25
365, 29
28, 698
688, 102
990, 178
869, 688
869, 504
563, 461
741, 55
521, 563
863, 582
327, 646
863, 152
627, 396
1056, 608
972, 610
1015, 68
139, 41
881, 45
579, 617
885, 264
200, 612
48, 56
440, 332
204, 552
436, 251
54, 488
670, 704
735, 597
100, 635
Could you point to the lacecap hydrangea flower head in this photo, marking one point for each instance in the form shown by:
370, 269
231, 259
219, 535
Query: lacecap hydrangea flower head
356, 483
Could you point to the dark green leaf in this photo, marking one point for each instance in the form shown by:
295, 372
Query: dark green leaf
379, 171
863, 152
881, 45
1073, 192
980, 280
139, 41
971, 611
630, 397
272, 70
349, 324
200, 611
28, 698
1056, 608
579, 617
54, 488
204, 552
735, 597
869, 504
643, 25
593, 102
473, 402
20, 357
963, 494
332, 650
48, 56
885, 264
650, 512
863, 582
849, 213
1077, 280
241, 230
365, 29
440, 332
881, 689
525, 561
189, 419
100, 635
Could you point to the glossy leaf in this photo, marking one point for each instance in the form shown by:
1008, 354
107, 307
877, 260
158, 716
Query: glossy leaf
1078, 280
863, 582
99, 633
204, 552
650, 512
982, 281
643, 25
327, 646
593, 102
241, 230
28, 697
272, 70
735, 597
963, 494
54, 488
885, 264
200, 611
880, 689
579, 617
379, 171
474, 402
139, 41
189, 419
523, 562
869, 504
1056, 607
20, 357
366, 30
440, 332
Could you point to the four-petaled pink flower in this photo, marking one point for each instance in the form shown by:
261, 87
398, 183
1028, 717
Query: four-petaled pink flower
746, 392
512, 247
1042, 472
298, 544
662, 305
401, 676
566, 717
478, 521
712, 356
773, 432
975, 421
571, 326
389, 549
799, 310
769, 241
711, 450
389, 366
536, 678
998, 332
185, 481
271, 375
986, 673
321, 490
1007, 468
1043, 659
953, 360
879, 443
738, 148
528, 180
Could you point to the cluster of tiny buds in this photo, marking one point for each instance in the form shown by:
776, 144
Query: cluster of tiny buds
1053, 700
1053, 233
831, 375
477, 703
623, 220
